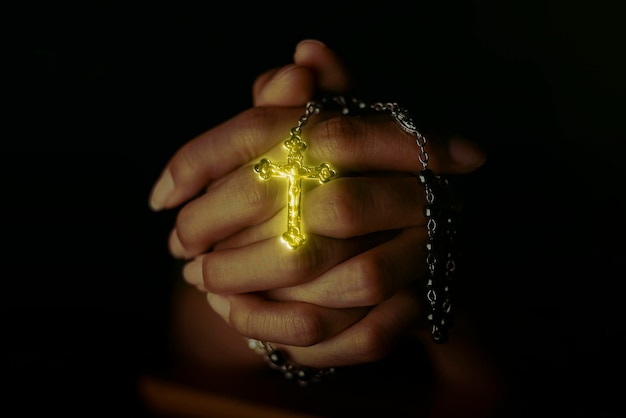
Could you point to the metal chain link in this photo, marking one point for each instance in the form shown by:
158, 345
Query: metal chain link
278, 360
404, 121
441, 228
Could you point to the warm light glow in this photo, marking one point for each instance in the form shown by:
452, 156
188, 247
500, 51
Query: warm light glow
295, 171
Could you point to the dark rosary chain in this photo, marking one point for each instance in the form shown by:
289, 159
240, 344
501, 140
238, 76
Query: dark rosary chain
441, 227
277, 359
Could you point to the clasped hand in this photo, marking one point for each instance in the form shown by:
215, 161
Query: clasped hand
355, 288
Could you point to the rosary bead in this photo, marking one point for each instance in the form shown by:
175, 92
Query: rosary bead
426, 176
432, 210
439, 335
439, 212
277, 358
304, 374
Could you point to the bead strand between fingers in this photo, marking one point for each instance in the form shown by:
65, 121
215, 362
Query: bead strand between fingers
278, 360
441, 214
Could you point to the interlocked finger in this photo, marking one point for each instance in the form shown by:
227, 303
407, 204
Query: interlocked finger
237, 201
359, 147
346, 207
268, 264
367, 340
292, 323
368, 278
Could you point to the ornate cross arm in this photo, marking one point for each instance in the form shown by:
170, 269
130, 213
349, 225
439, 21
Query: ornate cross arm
294, 237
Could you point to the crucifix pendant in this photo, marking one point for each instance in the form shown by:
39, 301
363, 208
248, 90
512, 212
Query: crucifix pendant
295, 171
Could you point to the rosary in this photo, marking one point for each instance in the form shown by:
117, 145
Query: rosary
295, 171
439, 211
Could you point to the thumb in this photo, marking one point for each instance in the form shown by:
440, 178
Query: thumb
291, 85
454, 155
331, 75
315, 67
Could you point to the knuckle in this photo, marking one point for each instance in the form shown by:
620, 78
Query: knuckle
304, 327
253, 122
371, 281
247, 319
301, 327
373, 343
258, 126
337, 212
338, 135
245, 322
254, 193
301, 263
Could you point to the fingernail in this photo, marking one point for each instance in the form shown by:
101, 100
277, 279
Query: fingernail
175, 246
283, 71
303, 46
161, 191
307, 42
192, 273
465, 152
220, 304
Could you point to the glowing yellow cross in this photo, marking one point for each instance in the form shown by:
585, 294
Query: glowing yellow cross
295, 171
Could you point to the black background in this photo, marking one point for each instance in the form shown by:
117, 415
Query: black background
97, 95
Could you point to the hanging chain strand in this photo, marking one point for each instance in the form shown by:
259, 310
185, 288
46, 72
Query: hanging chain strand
277, 360
404, 121
312, 108
441, 227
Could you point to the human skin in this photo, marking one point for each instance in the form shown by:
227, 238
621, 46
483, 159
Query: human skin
348, 295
